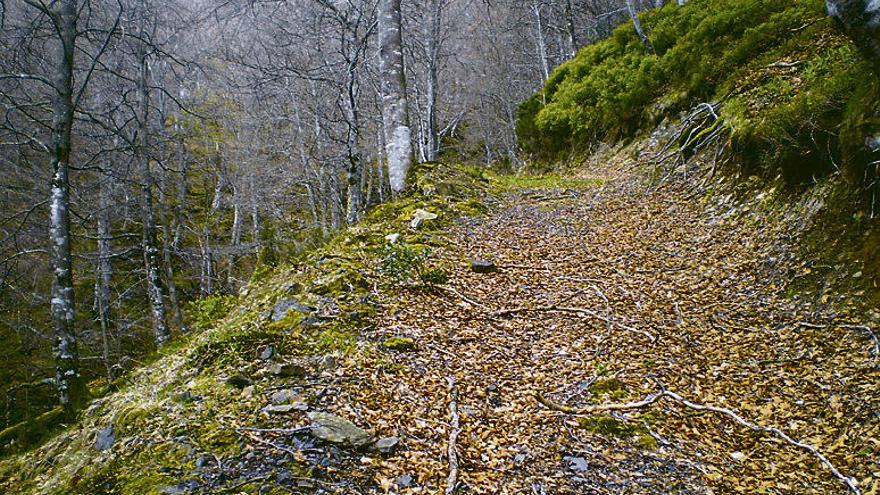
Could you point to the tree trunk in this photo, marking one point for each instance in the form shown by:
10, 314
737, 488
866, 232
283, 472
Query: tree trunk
155, 285
860, 19
72, 390
432, 145
354, 170
104, 275
398, 135
570, 29
634, 15
541, 44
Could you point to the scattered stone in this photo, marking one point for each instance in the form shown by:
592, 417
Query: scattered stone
202, 461
292, 369
576, 464
399, 344
187, 486
286, 396
392, 238
248, 392
404, 481
386, 445
267, 353
105, 439
420, 216
519, 458
333, 429
238, 381
470, 411
483, 266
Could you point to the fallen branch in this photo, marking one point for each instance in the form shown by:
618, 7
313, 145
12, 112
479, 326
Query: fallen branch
650, 399
461, 296
568, 309
455, 429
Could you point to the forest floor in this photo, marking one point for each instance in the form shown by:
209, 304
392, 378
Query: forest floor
606, 292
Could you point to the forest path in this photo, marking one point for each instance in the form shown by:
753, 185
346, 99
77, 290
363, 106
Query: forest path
673, 297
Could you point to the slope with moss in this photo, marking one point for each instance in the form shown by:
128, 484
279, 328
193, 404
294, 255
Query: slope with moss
197, 399
794, 94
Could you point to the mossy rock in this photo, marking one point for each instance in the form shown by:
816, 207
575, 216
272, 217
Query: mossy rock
340, 283
400, 344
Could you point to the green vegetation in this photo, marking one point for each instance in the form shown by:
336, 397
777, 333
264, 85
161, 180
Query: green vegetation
796, 96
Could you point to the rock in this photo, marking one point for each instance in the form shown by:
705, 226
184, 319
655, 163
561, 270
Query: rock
188, 486
248, 392
281, 308
291, 369
267, 353
386, 445
340, 431
404, 481
576, 464
392, 238
286, 396
399, 344
105, 438
238, 381
483, 266
420, 216
202, 461
285, 408
327, 362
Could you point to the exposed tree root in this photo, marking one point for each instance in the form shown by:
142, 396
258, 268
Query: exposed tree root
568, 309
650, 399
455, 429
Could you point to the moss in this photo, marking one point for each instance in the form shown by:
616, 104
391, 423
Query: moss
606, 386
613, 427
399, 344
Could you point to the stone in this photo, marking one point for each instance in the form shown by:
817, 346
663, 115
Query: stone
281, 308
399, 344
420, 216
392, 238
248, 392
327, 362
483, 266
340, 431
286, 396
238, 381
267, 353
404, 481
576, 464
106, 438
386, 445
291, 369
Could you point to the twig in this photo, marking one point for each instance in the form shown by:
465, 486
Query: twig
461, 296
567, 309
650, 399
455, 429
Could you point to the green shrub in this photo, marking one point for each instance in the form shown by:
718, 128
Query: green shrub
404, 263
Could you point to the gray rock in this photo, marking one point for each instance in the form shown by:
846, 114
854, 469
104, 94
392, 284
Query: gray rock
281, 308
483, 266
404, 481
106, 438
340, 431
286, 396
386, 445
327, 362
267, 353
292, 369
238, 381
576, 464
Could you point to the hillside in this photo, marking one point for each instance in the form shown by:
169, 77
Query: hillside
678, 294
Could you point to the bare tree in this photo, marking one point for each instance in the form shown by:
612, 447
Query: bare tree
398, 136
